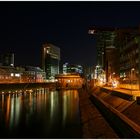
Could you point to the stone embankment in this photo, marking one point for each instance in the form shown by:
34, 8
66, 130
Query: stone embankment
93, 123
119, 109
23, 86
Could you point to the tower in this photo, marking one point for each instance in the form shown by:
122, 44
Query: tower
50, 60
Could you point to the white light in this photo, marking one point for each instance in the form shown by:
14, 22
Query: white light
115, 84
12, 74
97, 66
52, 80
132, 69
91, 31
17, 75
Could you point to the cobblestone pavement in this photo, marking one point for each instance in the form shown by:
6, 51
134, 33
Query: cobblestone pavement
93, 123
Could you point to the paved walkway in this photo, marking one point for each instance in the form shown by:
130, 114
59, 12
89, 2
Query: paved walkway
93, 123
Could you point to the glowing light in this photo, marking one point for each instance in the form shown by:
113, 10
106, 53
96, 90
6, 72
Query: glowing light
115, 84
132, 69
17, 75
12, 74
52, 80
101, 79
91, 31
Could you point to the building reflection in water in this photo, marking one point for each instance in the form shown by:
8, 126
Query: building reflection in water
48, 113
70, 106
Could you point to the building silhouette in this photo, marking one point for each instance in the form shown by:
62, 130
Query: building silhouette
7, 59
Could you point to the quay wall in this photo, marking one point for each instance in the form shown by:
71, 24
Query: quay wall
17, 86
125, 127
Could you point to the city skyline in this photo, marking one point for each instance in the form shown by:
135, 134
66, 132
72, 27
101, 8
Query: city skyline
69, 69
25, 26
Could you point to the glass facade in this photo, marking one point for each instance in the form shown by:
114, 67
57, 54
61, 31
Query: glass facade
50, 60
69, 68
104, 39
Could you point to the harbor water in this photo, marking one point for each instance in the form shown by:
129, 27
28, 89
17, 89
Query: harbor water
40, 113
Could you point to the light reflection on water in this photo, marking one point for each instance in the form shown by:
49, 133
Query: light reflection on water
40, 114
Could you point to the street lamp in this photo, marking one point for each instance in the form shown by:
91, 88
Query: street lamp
131, 77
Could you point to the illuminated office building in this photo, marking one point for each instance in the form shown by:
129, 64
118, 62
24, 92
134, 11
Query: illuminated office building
50, 60
128, 42
105, 38
72, 68
106, 49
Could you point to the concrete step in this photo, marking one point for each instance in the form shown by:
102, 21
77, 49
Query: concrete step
93, 123
124, 105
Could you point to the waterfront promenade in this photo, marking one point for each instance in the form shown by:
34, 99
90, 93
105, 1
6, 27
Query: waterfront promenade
93, 123
118, 106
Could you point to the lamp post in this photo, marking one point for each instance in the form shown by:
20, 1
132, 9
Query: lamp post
131, 78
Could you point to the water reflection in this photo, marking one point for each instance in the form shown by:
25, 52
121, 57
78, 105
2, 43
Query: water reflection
70, 106
40, 113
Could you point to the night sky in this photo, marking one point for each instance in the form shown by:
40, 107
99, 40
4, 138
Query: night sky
25, 26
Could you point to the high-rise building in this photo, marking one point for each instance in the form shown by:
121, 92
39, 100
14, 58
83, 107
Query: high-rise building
7, 59
128, 42
72, 68
105, 44
105, 38
50, 60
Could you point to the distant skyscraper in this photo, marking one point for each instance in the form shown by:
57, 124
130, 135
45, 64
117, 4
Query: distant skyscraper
105, 44
50, 60
72, 68
7, 59
105, 37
